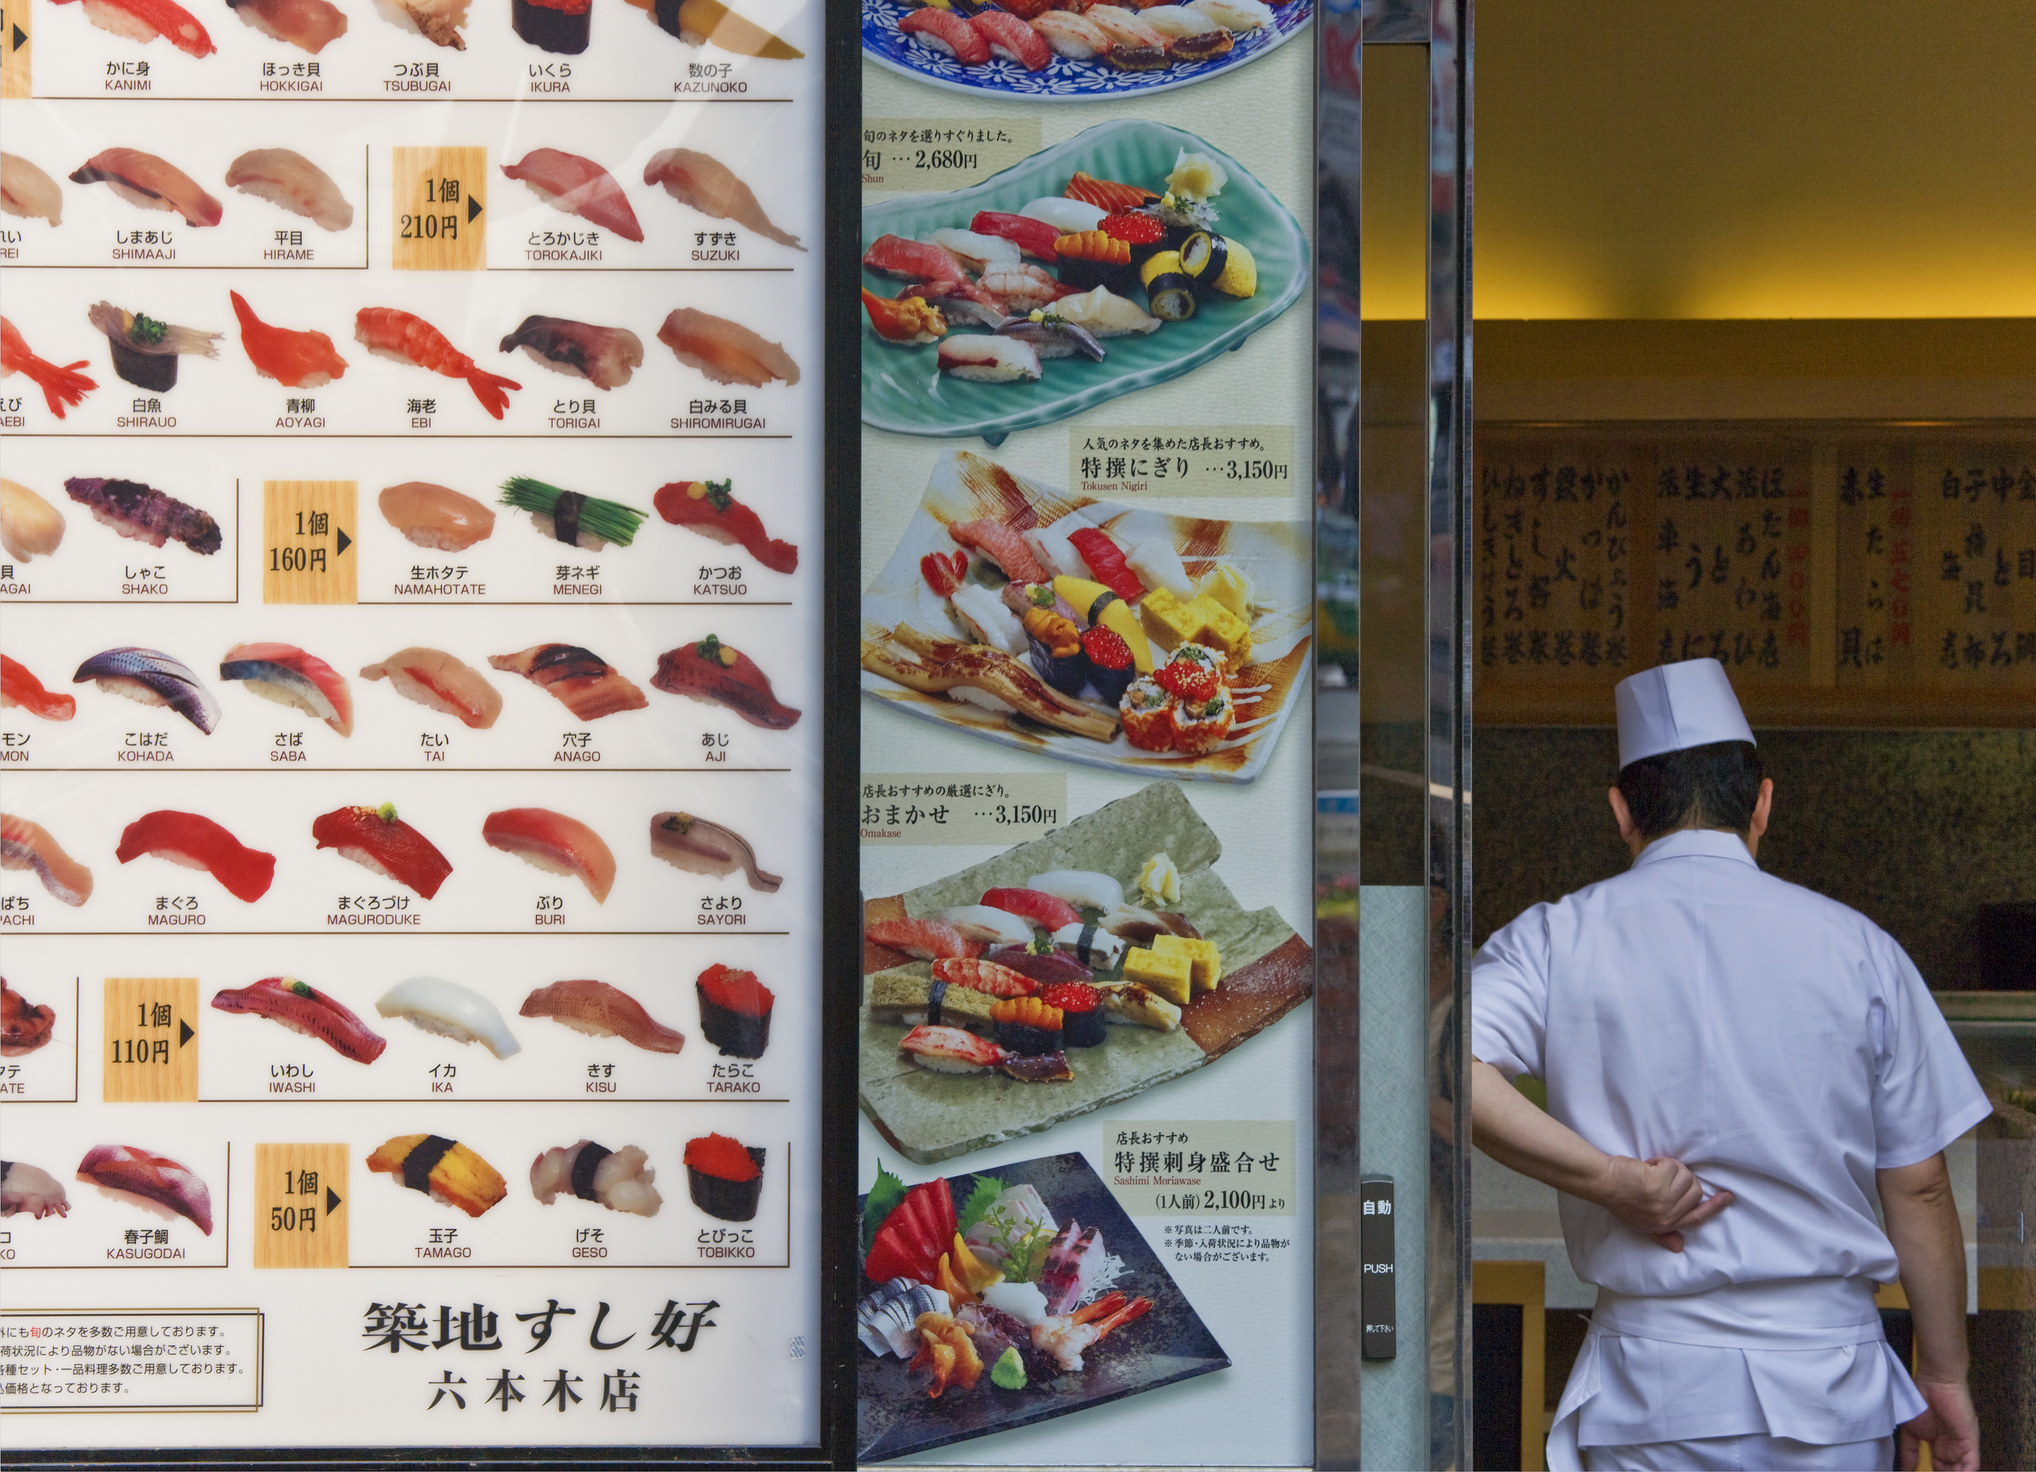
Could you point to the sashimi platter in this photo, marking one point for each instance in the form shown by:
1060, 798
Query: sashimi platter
1098, 633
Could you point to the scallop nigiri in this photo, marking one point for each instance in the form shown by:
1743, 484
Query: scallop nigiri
287, 675
196, 842
294, 359
577, 186
438, 681
285, 177
555, 843
28, 846
151, 182
451, 1011
28, 192
144, 20
309, 25
727, 352
30, 527
436, 516
711, 187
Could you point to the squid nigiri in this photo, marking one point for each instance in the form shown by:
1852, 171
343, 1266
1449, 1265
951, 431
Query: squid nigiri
390, 333
28, 846
62, 385
294, 359
20, 687
727, 352
605, 356
578, 186
375, 838
144, 20
26, 191
709, 507
285, 177
287, 675
30, 527
150, 182
450, 1010
555, 843
709, 186
438, 681
196, 842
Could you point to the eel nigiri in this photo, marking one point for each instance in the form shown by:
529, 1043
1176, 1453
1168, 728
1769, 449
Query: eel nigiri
390, 333
154, 1178
309, 25
617, 1179
709, 507
555, 843
144, 20
375, 838
727, 352
30, 527
435, 679
602, 1011
24, 1026
577, 186
151, 182
62, 384
28, 846
196, 842
719, 674
438, 21
151, 677
604, 356
445, 1170
19, 686
708, 185
29, 1188
294, 359
929, 940
700, 847
285, 177
27, 192
303, 1008
698, 22
451, 1011
436, 516
287, 675
145, 513
583, 682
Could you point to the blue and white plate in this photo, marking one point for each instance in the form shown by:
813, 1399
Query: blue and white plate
1063, 80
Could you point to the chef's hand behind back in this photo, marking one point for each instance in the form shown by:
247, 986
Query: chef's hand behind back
1659, 1198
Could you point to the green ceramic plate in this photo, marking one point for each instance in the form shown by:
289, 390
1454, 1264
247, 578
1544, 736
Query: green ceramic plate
903, 389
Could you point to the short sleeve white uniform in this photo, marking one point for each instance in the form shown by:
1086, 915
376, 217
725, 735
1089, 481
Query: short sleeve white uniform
1784, 1048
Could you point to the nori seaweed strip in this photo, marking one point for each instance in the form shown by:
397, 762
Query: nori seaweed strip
934, 996
565, 516
418, 1163
584, 1166
1103, 600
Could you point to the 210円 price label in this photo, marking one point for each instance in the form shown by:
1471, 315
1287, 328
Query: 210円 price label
1118, 462
960, 807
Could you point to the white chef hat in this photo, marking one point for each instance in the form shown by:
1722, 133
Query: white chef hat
1673, 707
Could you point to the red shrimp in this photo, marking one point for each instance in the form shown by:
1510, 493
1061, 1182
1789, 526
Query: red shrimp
410, 339
60, 386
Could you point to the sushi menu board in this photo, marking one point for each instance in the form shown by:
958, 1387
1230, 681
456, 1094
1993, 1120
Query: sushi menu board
1087, 376
410, 724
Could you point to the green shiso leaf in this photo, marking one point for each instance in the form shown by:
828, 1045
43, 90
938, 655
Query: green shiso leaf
609, 520
883, 1200
982, 1196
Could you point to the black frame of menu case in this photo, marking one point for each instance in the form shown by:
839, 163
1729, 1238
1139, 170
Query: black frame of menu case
840, 915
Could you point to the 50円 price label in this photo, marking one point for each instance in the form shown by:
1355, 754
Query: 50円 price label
960, 807
1180, 1168
1118, 462
918, 155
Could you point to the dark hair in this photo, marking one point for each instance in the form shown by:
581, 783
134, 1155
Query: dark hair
1714, 786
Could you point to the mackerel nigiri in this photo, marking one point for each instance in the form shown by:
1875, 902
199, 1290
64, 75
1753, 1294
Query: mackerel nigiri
727, 352
450, 1010
577, 186
287, 675
151, 182
20, 687
144, 20
602, 1011
555, 843
375, 838
151, 677
709, 507
438, 681
28, 846
303, 1008
709, 186
154, 1178
196, 842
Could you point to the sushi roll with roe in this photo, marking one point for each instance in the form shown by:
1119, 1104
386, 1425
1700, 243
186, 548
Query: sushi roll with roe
1056, 650
553, 25
1111, 669
1081, 1012
1200, 726
1091, 258
1027, 1026
1146, 712
735, 1011
724, 1177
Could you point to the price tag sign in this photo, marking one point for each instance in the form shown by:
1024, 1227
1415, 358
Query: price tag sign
151, 1040
920, 155
1122, 462
961, 807
14, 48
436, 199
300, 1206
1195, 1168
307, 537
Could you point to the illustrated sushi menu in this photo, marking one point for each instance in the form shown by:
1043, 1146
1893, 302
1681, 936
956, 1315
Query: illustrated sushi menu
410, 723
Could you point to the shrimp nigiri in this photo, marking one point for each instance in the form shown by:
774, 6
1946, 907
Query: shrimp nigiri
391, 333
60, 387
294, 359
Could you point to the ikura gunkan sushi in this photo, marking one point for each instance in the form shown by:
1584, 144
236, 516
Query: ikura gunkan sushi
1081, 1012
735, 1011
445, 1170
724, 1176
554, 25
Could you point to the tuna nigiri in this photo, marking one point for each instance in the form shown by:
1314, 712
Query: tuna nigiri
305, 1009
555, 843
196, 842
717, 674
604, 356
436, 516
30, 527
435, 679
1048, 912
1033, 237
709, 507
929, 940
62, 385
151, 182
309, 25
946, 33
700, 847
293, 359
151, 677
912, 260
144, 20
583, 682
27, 192
451, 1011
154, 1178
18, 686
287, 675
578, 186
1002, 546
602, 1011
693, 178
1106, 562
377, 839
727, 352
28, 846
390, 333
145, 513
287, 178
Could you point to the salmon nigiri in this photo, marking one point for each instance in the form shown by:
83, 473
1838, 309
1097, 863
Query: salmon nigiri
577, 186
294, 359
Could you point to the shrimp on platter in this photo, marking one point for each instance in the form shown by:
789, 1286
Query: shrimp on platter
1065, 1336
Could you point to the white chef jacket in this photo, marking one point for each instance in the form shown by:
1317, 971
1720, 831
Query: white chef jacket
1784, 1048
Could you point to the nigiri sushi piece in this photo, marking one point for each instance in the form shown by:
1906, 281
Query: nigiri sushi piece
991, 978
1036, 906
24, 1187
909, 320
950, 1050
719, 674
145, 351
287, 178
1009, 37
1073, 36
604, 356
948, 34
151, 677
1002, 546
309, 25
445, 1170
436, 516
144, 20
1106, 562
989, 359
24, 1025
617, 1179
62, 384
977, 251
451, 1011
30, 527
145, 513
196, 842
581, 681
155, 1178
304, 1009
578, 186
1191, 35
287, 675
987, 924
988, 618
151, 182
602, 1011
20, 687
1063, 215
1107, 194
437, 680
403, 337
1091, 944
573, 517
1103, 313
1134, 45
294, 359
26, 191
554, 843
929, 940
1235, 15
912, 260
709, 507
28, 846
700, 847
699, 22
1081, 887
1032, 237
709, 186
375, 838
437, 21
727, 352
1159, 566
1043, 968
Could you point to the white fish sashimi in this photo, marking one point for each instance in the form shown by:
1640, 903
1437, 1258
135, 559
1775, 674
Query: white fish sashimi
1106, 314
1024, 1302
1069, 216
981, 922
995, 624
1079, 887
978, 252
450, 1010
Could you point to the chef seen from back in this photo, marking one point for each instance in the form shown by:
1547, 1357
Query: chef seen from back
1738, 1070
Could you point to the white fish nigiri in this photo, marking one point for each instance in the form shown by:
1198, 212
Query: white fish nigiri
981, 922
1069, 216
450, 1010
992, 622
1051, 546
977, 251
1235, 15
1079, 887
1105, 314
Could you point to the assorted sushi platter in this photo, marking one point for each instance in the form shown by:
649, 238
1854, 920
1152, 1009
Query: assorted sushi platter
1104, 634
1005, 1298
1074, 50
1074, 971
1128, 255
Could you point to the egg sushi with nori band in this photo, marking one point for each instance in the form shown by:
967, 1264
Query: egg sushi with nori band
1219, 264
735, 1011
1169, 290
724, 1177
445, 1170
1027, 1026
